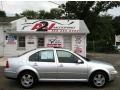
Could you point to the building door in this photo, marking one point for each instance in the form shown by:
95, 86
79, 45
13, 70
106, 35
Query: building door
67, 42
41, 42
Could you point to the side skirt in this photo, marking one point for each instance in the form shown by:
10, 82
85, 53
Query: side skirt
65, 80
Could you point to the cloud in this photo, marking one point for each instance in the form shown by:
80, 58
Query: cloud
114, 11
12, 7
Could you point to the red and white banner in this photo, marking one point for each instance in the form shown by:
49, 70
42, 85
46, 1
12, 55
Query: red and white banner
49, 25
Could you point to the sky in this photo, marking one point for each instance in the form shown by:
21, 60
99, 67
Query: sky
13, 7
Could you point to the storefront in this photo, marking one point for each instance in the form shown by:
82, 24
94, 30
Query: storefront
30, 34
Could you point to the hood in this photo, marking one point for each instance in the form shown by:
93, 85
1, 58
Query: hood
98, 62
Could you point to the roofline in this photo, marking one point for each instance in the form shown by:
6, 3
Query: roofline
18, 19
19, 32
5, 23
42, 19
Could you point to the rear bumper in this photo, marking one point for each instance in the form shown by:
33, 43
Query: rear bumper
10, 74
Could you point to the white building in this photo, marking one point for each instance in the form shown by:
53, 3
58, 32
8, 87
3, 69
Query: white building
117, 42
4, 26
28, 34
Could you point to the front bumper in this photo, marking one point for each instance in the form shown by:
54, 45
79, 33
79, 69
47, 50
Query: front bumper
113, 75
10, 74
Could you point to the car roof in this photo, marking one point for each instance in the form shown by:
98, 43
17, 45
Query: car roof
51, 48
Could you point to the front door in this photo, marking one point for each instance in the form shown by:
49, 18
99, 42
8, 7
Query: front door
44, 62
68, 68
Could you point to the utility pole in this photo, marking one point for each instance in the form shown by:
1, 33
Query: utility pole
1, 5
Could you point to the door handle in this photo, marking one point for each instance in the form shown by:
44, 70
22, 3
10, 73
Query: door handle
35, 64
61, 65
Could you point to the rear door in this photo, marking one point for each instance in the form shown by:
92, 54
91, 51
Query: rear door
44, 62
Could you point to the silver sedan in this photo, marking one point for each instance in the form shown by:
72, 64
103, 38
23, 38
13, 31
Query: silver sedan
55, 64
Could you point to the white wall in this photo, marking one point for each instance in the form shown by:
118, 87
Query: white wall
1, 41
14, 50
79, 42
31, 38
2, 36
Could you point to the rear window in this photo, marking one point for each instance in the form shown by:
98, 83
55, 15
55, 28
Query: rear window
26, 52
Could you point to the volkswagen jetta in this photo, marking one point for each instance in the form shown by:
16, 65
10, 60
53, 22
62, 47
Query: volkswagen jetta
55, 64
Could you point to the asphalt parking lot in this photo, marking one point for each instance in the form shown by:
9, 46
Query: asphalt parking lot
6, 84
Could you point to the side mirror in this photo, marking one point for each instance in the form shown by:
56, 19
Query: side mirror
79, 61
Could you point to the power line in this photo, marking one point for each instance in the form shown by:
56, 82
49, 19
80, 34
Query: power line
54, 3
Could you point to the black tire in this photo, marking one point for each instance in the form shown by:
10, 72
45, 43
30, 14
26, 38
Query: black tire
98, 82
27, 77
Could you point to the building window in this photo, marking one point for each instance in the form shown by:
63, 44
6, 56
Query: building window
40, 42
67, 42
21, 41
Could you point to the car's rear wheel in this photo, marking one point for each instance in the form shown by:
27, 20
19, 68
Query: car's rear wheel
99, 79
27, 79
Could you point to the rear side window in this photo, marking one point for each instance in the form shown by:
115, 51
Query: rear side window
46, 56
43, 56
34, 57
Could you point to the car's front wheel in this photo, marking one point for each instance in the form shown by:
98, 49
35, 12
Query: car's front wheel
99, 79
27, 79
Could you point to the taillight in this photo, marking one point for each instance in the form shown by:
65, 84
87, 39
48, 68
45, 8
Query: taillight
7, 64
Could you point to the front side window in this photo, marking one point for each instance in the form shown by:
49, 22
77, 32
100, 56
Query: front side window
43, 56
66, 57
21, 41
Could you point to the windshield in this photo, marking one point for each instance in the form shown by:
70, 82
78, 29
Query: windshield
85, 58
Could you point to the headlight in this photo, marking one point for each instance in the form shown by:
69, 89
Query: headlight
112, 70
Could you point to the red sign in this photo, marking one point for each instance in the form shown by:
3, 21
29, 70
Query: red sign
43, 26
78, 50
54, 45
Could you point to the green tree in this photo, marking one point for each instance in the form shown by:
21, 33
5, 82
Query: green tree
42, 14
116, 25
104, 28
17, 15
56, 13
104, 33
88, 11
30, 14
2, 14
